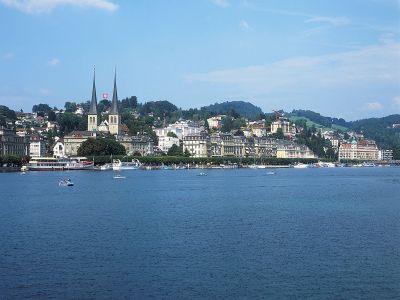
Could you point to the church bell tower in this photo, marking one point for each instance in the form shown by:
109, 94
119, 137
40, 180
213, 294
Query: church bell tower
114, 118
92, 115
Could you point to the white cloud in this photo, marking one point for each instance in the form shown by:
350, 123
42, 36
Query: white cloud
396, 102
341, 79
366, 65
221, 3
47, 6
243, 25
373, 106
8, 56
333, 21
53, 62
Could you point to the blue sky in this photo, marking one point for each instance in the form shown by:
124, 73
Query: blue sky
340, 58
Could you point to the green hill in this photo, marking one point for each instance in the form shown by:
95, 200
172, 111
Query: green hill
244, 109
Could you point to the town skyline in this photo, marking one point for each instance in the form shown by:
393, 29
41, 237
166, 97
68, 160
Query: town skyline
339, 59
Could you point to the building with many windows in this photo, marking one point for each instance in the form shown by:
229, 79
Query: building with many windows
139, 144
289, 149
364, 150
197, 144
37, 146
12, 144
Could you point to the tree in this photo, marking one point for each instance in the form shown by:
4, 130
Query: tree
41, 107
97, 147
128, 103
174, 151
103, 105
187, 153
69, 122
278, 134
70, 106
6, 114
172, 134
51, 116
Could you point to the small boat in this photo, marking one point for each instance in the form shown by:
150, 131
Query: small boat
66, 182
271, 173
106, 167
202, 174
132, 165
300, 166
24, 168
118, 176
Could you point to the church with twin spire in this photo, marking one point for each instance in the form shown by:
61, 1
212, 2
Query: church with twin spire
138, 144
114, 118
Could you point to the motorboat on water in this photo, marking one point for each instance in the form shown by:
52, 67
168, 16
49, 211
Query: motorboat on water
118, 165
271, 173
202, 174
65, 182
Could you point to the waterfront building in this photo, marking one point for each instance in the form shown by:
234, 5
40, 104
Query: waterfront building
197, 144
386, 155
265, 147
364, 150
289, 149
13, 144
73, 141
37, 146
139, 144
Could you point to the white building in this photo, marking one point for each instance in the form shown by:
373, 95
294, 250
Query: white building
180, 129
215, 122
364, 150
284, 124
37, 146
166, 142
197, 144
59, 150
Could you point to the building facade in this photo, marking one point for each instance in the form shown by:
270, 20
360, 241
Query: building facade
140, 144
37, 146
289, 149
364, 150
73, 141
12, 144
197, 144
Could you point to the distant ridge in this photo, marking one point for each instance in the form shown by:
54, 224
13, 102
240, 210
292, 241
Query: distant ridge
245, 109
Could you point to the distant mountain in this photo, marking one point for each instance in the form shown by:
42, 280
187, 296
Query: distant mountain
379, 129
317, 118
244, 109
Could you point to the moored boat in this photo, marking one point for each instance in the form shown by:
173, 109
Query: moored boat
59, 164
131, 165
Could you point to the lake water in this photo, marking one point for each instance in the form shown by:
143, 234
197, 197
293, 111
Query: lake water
301, 233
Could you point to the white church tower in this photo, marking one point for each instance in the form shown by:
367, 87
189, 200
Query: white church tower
92, 115
114, 118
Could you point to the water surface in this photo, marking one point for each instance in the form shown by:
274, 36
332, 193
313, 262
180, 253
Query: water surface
310, 233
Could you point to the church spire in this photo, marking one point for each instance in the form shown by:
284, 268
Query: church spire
114, 104
93, 103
